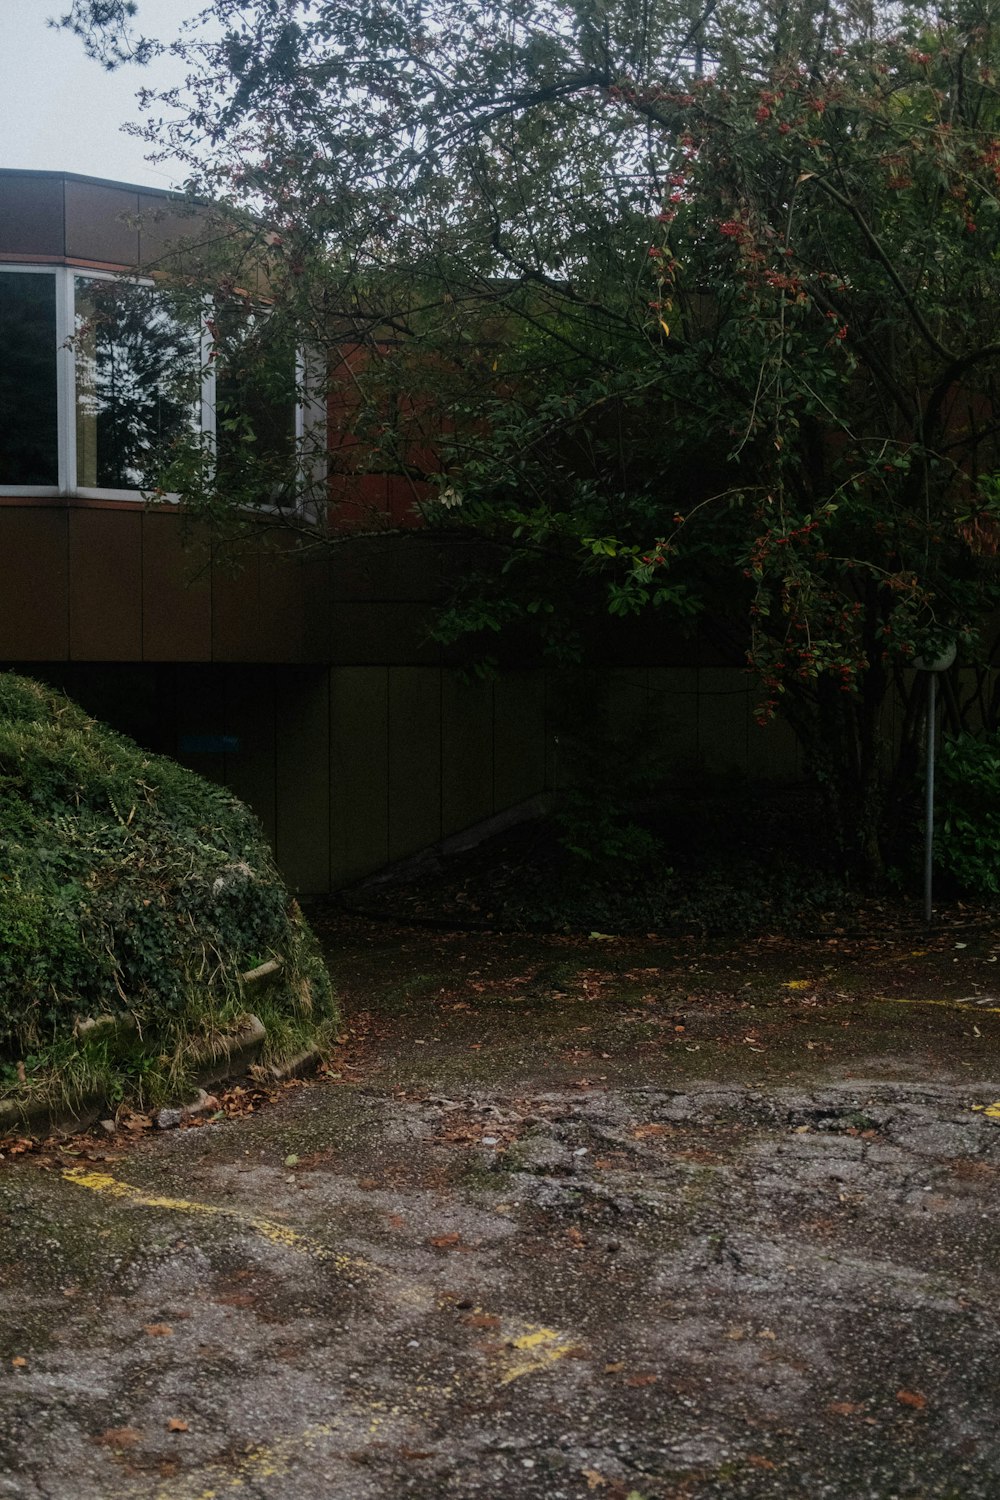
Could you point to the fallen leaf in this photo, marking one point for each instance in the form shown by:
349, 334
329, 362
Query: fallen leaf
119, 1437
649, 1132
916, 1399
735, 1333
845, 1408
760, 1462
594, 1480
481, 1320
291, 1160
19, 1362
176, 1424
616, 1368
158, 1330
640, 1380
446, 1241
416, 1453
576, 1236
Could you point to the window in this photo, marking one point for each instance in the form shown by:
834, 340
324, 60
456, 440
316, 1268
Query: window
138, 383
256, 401
103, 378
29, 425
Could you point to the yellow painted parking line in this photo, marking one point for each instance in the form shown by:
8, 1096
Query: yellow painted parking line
966, 1003
535, 1350
527, 1347
268, 1229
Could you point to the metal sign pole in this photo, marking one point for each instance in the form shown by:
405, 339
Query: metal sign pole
932, 665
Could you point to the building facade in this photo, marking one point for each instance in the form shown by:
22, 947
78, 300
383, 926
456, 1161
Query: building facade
308, 682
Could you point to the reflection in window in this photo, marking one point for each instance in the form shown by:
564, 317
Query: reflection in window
255, 400
29, 449
137, 383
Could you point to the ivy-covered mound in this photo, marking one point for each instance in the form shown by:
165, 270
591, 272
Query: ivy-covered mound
133, 898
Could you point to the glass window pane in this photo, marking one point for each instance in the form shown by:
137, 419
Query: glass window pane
138, 383
29, 445
255, 401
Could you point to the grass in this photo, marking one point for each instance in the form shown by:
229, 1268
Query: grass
134, 895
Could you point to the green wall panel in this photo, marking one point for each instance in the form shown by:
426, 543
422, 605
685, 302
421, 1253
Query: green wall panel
466, 752
250, 694
302, 776
414, 759
359, 744
518, 737
723, 719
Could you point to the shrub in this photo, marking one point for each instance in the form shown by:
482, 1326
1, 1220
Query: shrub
967, 842
134, 892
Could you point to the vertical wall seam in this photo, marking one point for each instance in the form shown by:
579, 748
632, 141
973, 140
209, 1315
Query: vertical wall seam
388, 760
493, 745
330, 789
273, 695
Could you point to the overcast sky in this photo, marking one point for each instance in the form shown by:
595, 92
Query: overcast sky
61, 112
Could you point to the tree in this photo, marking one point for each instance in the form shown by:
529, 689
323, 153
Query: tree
706, 299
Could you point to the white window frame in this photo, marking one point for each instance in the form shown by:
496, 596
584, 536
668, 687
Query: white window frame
310, 412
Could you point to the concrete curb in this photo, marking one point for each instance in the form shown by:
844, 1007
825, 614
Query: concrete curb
222, 1061
218, 1062
42, 1119
294, 1067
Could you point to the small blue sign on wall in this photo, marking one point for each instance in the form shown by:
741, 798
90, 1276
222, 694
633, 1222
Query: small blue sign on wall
209, 744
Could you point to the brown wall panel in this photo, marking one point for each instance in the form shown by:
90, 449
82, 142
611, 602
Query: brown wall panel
105, 585
414, 759
236, 624
34, 584
176, 592
302, 778
388, 567
294, 604
101, 222
31, 215
367, 633
518, 737
466, 752
359, 768
166, 226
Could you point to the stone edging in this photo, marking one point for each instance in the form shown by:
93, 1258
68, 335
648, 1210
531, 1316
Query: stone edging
216, 1062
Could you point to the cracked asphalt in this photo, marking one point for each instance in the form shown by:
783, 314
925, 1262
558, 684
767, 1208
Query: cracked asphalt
563, 1218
